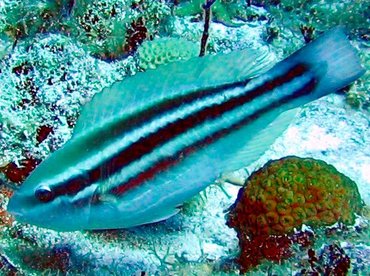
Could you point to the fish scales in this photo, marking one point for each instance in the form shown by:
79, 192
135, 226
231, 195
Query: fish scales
140, 161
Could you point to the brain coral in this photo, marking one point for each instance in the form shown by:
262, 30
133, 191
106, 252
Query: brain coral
292, 191
164, 50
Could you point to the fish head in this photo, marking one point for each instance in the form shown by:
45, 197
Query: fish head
35, 203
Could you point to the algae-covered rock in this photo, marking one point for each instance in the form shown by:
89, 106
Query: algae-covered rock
151, 54
20, 19
43, 84
292, 191
114, 29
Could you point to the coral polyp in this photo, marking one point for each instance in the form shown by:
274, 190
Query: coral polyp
284, 195
292, 191
151, 54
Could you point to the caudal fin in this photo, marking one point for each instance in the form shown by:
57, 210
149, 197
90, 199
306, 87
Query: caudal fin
332, 58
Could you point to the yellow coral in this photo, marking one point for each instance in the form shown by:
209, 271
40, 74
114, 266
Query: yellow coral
288, 192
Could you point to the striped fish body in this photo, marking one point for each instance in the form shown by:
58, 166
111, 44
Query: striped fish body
147, 144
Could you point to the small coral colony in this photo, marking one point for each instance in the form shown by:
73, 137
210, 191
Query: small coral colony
57, 54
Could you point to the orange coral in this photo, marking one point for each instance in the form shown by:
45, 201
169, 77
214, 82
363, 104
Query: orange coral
283, 195
291, 191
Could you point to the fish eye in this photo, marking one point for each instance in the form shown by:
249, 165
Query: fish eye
44, 194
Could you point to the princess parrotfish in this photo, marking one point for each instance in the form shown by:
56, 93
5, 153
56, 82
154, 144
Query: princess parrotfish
152, 141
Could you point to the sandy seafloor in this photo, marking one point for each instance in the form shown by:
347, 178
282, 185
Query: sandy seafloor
197, 241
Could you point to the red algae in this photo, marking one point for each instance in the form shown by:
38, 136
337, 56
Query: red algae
17, 173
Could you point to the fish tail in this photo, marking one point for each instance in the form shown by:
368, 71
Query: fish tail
332, 59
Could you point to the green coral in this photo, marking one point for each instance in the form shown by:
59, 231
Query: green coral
151, 54
223, 11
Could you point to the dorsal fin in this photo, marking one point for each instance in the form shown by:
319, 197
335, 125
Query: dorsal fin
178, 78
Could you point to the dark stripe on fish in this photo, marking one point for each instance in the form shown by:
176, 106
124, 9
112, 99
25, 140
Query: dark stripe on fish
146, 144
73, 186
166, 163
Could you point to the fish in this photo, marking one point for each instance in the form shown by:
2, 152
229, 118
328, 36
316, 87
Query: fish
148, 143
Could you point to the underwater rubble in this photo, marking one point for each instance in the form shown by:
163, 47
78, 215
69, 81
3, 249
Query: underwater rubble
55, 55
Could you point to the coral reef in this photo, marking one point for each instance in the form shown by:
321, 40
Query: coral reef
292, 191
57, 258
293, 22
319, 252
108, 29
284, 195
319, 15
19, 19
114, 29
43, 88
5, 45
47, 74
7, 267
151, 54
18, 174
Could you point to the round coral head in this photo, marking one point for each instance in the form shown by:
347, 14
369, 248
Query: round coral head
289, 192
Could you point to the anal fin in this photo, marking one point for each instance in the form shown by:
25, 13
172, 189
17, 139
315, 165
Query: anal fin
260, 142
